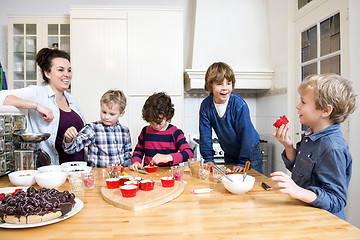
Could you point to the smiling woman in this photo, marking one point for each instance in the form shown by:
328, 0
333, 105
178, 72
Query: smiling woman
50, 107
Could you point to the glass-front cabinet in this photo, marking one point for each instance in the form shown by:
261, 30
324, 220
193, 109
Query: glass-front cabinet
26, 36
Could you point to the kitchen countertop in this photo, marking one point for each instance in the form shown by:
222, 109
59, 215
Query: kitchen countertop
258, 214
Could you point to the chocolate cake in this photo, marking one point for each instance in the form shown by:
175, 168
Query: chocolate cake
35, 205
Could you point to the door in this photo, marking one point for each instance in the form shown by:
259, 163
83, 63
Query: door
320, 46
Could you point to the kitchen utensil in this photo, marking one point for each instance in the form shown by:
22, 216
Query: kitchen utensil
23, 178
247, 165
31, 137
144, 199
50, 168
222, 173
238, 186
74, 164
217, 176
50, 179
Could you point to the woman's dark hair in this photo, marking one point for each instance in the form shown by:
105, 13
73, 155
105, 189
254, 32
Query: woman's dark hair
44, 59
157, 107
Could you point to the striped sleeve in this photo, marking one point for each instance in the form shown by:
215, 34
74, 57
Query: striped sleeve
185, 151
140, 147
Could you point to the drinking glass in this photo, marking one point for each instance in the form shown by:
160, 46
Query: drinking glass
76, 182
194, 165
89, 179
177, 172
204, 172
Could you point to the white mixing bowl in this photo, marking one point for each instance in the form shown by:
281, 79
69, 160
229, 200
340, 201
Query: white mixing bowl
238, 186
24, 178
50, 168
51, 179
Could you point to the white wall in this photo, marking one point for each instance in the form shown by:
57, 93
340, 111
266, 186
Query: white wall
353, 210
273, 104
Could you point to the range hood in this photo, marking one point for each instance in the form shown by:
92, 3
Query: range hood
234, 32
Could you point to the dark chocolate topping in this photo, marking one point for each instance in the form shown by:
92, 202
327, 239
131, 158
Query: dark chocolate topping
37, 202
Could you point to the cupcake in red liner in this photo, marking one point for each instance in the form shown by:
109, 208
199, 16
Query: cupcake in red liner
147, 185
167, 182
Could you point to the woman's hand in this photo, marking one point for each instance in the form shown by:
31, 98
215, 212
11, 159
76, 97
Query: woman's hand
282, 135
47, 113
136, 166
70, 134
161, 158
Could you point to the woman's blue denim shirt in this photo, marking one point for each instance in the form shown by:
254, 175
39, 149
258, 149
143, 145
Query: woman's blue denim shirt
44, 95
323, 165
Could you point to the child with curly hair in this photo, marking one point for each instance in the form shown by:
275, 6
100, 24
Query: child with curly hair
160, 143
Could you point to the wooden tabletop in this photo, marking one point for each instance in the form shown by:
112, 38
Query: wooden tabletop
258, 214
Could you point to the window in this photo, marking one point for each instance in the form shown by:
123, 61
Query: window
320, 47
302, 3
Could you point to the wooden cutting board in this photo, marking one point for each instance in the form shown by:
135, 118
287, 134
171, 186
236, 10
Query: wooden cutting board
143, 199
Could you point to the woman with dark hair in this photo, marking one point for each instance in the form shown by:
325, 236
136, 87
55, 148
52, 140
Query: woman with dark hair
51, 109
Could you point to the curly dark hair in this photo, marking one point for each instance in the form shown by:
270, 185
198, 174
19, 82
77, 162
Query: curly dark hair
158, 107
44, 59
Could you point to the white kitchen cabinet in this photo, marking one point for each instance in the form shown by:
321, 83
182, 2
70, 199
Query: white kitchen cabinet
138, 50
27, 34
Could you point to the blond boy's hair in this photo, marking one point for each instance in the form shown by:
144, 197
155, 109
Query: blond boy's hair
334, 90
112, 97
217, 72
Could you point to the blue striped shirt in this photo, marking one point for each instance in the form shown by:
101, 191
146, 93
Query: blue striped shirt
106, 144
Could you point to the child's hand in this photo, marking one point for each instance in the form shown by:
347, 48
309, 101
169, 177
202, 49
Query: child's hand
282, 135
285, 184
210, 163
70, 134
161, 158
237, 168
136, 166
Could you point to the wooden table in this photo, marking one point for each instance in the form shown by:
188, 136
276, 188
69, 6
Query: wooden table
258, 214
